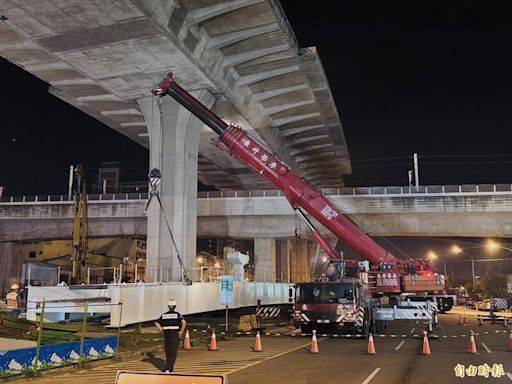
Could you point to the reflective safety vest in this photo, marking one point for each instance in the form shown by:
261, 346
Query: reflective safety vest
12, 300
170, 322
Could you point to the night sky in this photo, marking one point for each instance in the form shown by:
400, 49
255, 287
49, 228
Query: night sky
434, 79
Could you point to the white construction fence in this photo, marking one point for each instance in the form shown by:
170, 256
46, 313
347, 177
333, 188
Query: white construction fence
136, 303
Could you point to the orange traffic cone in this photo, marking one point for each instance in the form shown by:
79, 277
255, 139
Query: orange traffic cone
314, 343
510, 342
472, 344
257, 343
213, 342
426, 346
371, 345
186, 342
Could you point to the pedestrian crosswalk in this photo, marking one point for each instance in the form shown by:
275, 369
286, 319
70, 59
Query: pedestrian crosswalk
232, 356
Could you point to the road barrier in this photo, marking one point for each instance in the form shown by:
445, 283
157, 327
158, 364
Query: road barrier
371, 345
426, 345
314, 343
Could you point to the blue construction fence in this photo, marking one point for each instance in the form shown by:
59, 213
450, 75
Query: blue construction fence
51, 356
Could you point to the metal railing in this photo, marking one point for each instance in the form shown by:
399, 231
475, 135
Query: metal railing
435, 190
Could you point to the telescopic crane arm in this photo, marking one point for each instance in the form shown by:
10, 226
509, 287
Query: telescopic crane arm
300, 194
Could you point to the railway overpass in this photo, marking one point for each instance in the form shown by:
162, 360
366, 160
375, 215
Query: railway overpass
469, 210
266, 217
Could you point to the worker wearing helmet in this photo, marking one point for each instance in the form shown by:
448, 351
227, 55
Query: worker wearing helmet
172, 324
14, 301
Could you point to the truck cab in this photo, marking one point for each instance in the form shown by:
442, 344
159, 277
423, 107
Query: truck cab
329, 306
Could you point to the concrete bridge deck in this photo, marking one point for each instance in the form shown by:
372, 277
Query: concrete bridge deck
466, 210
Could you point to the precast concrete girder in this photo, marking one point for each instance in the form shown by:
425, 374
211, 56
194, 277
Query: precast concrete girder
256, 77
265, 95
303, 131
240, 58
284, 107
310, 149
293, 119
299, 158
308, 140
199, 15
219, 41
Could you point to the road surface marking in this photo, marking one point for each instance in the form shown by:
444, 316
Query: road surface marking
372, 375
486, 348
412, 330
509, 375
399, 345
271, 357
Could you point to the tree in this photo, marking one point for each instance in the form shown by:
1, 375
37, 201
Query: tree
494, 284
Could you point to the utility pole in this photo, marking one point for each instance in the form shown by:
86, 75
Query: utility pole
80, 229
70, 183
416, 173
409, 176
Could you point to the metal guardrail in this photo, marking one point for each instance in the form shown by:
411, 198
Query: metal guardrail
470, 189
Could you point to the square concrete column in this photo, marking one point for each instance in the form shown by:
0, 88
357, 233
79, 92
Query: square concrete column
174, 135
299, 260
265, 260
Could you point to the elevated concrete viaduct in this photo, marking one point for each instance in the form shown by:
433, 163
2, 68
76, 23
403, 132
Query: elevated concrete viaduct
240, 57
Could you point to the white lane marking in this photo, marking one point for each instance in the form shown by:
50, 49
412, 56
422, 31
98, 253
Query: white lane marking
399, 345
412, 330
372, 375
509, 375
486, 348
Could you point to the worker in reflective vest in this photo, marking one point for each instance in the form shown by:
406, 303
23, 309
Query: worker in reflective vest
172, 324
13, 301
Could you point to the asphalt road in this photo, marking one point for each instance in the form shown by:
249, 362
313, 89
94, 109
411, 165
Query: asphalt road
343, 360
399, 358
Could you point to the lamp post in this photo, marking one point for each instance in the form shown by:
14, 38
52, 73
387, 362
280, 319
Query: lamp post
431, 255
492, 246
456, 250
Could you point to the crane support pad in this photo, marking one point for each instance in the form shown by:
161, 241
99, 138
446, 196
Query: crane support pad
130, 377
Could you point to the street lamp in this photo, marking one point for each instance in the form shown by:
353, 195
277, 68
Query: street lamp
456, 250
431, 255
492, 246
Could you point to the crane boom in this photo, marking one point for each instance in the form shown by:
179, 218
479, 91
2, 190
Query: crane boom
300, 193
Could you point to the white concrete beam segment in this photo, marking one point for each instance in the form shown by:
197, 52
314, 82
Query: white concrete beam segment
219, 41
254, 78
284, 107
240, 58
199, 15
292, 119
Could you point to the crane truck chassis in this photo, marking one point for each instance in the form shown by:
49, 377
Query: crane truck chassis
387, 276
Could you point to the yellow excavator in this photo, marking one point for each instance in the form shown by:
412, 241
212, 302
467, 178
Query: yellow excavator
80, 230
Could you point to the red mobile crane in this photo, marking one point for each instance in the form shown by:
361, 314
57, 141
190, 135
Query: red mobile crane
389, 274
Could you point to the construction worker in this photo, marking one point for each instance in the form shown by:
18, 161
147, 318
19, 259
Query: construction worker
172, 324
14, 301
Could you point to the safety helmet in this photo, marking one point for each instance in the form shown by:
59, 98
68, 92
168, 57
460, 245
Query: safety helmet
171, 303
15, 286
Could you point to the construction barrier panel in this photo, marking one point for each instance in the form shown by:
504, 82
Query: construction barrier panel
163, 378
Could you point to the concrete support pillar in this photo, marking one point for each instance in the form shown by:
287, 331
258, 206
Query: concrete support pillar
299, 260
174, 135
282, 261
265, 260
10, 265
